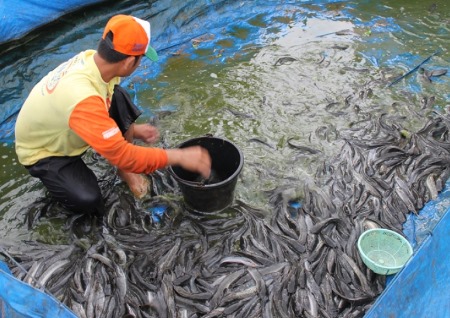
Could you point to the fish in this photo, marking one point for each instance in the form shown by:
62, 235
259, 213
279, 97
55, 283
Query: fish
214, 301
340, 46
285, 60
258, 140
340, 32
240, 114
251, 261
332, 105
428, 74
303, 149
239, 260
324, 223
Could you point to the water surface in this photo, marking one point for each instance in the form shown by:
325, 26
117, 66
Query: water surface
274, 77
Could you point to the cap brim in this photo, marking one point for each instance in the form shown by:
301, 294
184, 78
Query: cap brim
151, 54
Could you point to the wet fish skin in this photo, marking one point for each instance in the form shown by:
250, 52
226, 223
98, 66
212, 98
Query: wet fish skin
51, 270
259, 283
279, 309
432, 186
78, 309
250, 309
29, 277
216, 312
318, 227
167, 260
330, 106
258, 140
214, 301
140, 280
288, 280
360, 70
340, 46
100, 299
285, 60
302, 148
111, 242
240, 114
192, 296
428, 74
239, 260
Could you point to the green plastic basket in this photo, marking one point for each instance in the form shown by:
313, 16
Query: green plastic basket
384, 251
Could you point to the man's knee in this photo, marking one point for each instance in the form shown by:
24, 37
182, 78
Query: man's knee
86, 202
70, 182
90, 201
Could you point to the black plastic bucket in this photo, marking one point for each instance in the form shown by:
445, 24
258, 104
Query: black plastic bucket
217, 193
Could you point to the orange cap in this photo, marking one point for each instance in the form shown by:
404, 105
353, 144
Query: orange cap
131, 36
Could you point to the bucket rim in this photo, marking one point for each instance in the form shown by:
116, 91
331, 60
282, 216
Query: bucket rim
213, 185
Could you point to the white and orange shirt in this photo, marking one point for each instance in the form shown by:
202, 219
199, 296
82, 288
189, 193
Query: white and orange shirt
67, 112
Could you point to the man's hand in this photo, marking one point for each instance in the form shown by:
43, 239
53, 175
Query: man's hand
195, 159
145, 132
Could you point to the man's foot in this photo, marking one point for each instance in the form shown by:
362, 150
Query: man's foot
139, 184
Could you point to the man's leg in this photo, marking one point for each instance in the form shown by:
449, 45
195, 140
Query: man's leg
137, 183
70, 182
125, 112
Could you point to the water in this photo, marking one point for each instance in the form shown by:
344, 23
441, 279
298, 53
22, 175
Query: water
272, 77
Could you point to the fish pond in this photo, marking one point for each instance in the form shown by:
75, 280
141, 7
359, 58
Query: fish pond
339, 107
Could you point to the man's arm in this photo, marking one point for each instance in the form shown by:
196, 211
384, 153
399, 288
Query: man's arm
91, 121
194, 158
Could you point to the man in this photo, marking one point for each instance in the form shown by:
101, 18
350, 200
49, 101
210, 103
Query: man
80, 105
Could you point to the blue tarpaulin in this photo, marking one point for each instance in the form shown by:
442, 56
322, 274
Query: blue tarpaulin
420, 289
19, 17
20, 300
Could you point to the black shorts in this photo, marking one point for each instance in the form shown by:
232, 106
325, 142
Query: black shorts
70, 182
123, 110
68, 179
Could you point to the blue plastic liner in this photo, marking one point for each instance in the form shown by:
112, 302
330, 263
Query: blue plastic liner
19, 17
420, 289
20, 300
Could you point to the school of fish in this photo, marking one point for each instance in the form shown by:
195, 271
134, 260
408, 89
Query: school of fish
300, 261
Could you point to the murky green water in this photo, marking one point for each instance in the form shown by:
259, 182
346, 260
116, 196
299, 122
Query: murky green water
272, 81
